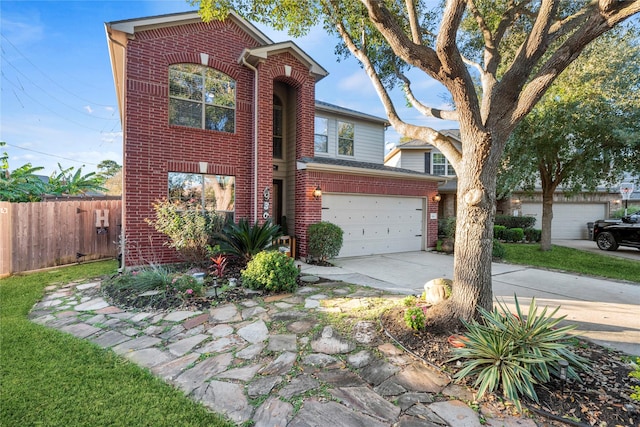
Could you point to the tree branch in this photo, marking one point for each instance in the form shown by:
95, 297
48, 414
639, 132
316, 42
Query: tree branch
413, 21
597, 23
423, 109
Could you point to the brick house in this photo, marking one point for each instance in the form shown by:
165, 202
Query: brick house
220, 111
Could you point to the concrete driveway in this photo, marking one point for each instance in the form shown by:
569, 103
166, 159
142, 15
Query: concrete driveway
605, 311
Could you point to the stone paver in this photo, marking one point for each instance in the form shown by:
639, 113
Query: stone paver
195, 377
180, 348
365, 400
255, 332
240, 351
226, 398
273, 412
314, 413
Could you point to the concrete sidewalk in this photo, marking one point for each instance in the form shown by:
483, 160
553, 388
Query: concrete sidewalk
605, 311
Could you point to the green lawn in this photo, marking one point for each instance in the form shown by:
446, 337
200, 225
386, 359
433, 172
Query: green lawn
573, 260
50, 378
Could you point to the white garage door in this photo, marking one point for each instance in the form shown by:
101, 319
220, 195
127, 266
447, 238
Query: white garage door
375, 224
569, 219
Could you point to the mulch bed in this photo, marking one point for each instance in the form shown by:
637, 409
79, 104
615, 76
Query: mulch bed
602, 399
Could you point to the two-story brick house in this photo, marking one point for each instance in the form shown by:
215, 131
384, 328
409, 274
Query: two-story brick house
220, 112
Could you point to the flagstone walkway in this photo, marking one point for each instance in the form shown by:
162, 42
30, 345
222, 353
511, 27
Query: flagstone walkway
261, 358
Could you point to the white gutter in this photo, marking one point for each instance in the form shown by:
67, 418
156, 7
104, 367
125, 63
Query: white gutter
350, 170
255, 136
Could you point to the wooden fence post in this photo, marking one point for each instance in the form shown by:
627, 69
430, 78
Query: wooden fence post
6, 238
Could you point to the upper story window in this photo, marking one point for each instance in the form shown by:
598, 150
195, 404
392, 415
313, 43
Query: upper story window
321, 135
441, 166
200, 191
345, 139
201, 97
277, 127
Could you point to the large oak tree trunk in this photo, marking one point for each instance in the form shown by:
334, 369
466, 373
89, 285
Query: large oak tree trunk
474, 230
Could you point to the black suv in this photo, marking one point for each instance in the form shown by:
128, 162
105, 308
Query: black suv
611, 233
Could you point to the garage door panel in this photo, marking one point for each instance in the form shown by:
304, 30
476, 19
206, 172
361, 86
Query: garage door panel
569, 219
375, 224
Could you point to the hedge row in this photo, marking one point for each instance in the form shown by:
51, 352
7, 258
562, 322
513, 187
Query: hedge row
506, 228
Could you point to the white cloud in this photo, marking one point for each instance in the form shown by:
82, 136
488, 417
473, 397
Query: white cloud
356, 82
88, 109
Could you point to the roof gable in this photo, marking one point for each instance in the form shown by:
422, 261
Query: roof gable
132, 26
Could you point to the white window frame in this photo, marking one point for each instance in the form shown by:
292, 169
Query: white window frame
324, 135
448, 169
352, 139
204, 100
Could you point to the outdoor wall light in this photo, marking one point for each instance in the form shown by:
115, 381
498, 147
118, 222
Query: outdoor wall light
436, 198
563, 371
317, 193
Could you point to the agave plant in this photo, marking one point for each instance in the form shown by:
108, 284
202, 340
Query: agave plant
247, 240
514, 352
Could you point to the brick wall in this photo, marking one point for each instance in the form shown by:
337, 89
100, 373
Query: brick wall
153, 147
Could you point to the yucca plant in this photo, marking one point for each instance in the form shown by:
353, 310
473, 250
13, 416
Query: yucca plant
247, 240
514, 352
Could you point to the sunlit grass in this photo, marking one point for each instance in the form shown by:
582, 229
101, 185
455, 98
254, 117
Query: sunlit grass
54, 379
573, 260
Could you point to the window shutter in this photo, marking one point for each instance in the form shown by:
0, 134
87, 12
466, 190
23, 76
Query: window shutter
427, 162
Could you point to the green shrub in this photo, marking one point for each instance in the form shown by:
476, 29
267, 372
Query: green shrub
619, 213
447, 227
414, 318
515, 221
508, 352
499, 251
532, 235
635, 389
513, 235
246, 240
409, 301
498, 231
190, 231
324, 240
186, 286
271, 271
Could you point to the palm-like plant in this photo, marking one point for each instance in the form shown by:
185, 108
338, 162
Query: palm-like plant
515, 352
67, 182
245, 240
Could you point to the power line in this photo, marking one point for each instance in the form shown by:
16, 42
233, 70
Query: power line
49, 94
49, 78
51, 110
50, 155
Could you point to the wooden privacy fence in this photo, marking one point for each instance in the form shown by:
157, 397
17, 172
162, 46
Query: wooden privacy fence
46, 234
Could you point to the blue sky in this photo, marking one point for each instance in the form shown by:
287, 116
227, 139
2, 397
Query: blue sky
58, 103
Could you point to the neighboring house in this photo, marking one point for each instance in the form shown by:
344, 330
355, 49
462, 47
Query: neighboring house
421, 156
570, 214
217, 114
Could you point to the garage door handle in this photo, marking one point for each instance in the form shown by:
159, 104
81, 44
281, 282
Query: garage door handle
363, 231
387, 230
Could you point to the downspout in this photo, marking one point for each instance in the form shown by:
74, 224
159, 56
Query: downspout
255, 137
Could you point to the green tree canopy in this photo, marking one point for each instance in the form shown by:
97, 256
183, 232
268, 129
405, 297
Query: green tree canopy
585, 131
108, 168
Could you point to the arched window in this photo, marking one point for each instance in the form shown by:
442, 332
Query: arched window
201, 97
